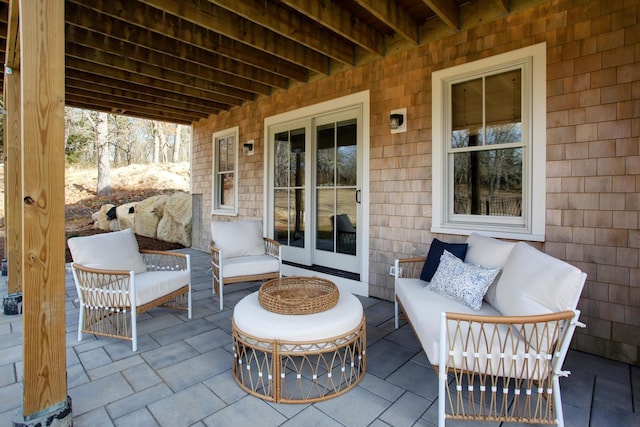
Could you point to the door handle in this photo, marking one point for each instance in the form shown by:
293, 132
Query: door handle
358, 196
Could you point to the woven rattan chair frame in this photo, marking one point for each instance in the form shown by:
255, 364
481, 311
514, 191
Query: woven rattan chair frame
272, 248
107, 296
521, 383
299, 372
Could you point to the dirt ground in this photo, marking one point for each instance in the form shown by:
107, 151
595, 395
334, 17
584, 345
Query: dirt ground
129, 184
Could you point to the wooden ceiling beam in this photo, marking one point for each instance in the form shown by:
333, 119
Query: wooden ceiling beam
110, 61
141, 92
344, 23
74, 84
90, 20
89, 104
149, 83
133, 105
447, 10
296, 27
78, 36
164, 22
503, 5
394, 16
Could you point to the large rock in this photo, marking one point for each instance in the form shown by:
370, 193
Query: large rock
175, 225
103, 220
148, 214
126, 216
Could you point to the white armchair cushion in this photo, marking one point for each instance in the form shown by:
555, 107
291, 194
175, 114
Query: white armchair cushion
155, 284
117, 250
533, 282
484, 250
238, 238
249, 265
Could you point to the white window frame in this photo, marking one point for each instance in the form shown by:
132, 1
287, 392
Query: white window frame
534, 132
216, 208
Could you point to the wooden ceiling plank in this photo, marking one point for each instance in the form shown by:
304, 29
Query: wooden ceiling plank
294, 26
163, 21
90, 20
74, 84
503, 5
394, 16
337, 19
447, 10
144, 81
78, 36
109, 60
133, 105
80, 78
88, 104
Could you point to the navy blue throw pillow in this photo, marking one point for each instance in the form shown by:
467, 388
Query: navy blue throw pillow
435, 252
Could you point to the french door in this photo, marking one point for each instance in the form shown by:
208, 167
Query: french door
315, 204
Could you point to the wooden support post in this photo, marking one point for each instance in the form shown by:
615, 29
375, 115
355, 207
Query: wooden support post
42, 99
13, 180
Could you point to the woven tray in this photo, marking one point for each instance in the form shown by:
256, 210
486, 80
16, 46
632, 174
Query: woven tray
298, 295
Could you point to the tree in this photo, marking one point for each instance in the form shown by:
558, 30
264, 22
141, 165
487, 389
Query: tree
102, 139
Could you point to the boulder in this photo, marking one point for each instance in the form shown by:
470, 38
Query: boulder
101, 219
148, 213
175, 225
126, 216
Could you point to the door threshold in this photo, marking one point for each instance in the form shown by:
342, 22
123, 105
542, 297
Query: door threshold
326, 270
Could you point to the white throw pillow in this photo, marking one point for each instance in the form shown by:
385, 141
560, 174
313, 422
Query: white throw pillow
238, 238
533, 282
484, 250
464, 282
117, 250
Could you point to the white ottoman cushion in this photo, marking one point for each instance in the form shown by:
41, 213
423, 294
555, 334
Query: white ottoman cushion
252, 319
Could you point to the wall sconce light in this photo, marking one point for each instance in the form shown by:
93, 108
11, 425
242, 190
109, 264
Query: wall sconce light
247, 148
398, 120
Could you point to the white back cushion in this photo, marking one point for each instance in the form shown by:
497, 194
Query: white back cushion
238, 238
117, 250
533, 282
488, 251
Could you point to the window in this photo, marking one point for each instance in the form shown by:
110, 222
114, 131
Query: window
489, 146
225, 172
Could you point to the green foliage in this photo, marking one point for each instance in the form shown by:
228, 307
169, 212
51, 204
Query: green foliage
76, 146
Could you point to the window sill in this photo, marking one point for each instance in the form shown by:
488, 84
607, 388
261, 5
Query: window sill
490, 233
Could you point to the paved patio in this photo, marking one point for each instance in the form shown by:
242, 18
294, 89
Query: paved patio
181, 375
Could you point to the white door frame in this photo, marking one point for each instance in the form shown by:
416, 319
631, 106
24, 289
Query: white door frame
360, 100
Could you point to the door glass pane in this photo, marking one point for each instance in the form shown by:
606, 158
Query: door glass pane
289, 154
325, 155
324, 221
345, 224
488, 182
346, 153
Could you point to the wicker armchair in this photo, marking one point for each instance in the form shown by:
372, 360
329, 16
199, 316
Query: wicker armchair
240, 253
116, 282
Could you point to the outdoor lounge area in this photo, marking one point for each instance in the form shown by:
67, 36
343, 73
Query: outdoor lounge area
181, 373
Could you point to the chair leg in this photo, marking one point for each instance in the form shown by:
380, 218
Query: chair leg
220, 295
396, 312
189, 302
80, 322
557, 402
134, 330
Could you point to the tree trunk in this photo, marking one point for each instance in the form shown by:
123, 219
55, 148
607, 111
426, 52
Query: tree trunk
104, 176
177, 144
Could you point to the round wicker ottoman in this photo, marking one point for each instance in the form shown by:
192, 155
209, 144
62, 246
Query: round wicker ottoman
298, 358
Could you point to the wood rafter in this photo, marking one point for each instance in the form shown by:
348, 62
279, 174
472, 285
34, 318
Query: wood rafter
190, 59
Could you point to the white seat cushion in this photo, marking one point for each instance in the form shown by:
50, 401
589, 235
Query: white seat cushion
154, 284
252, 319
117, 250
238, 238
423, 307
249, 265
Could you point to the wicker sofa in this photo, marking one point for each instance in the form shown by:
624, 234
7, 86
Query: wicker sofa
499, 356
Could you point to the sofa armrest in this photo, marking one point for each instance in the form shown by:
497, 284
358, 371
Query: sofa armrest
408, 267
271, 247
